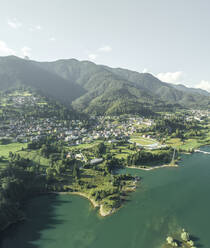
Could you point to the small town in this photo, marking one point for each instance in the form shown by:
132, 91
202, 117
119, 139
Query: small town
104, 124
75, 132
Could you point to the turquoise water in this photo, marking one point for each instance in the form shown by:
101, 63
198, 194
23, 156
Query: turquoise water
168, 199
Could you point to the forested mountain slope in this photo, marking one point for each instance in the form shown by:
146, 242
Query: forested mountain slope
98, 89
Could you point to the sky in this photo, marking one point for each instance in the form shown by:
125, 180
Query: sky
168, 38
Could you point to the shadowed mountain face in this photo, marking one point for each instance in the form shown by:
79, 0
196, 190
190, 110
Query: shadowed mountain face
98, 89
109, 89
15, 72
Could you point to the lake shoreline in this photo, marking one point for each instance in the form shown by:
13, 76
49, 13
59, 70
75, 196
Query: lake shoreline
102, 211
153, 168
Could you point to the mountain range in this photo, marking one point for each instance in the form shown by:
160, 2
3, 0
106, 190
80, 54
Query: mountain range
99, 89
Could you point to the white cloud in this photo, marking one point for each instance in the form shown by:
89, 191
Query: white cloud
105, 49
171, 77
14, 23
92, 56
35, 28
52, 39
5, 50
38, 27
26, 51
145, 70
204, 85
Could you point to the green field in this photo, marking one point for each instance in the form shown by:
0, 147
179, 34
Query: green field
187, 144
13, 147
121, 151
143, 141
35, 156
5, 149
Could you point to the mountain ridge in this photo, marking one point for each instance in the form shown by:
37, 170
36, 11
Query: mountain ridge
99, 89
15, 71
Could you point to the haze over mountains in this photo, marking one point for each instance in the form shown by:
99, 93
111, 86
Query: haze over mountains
98, 89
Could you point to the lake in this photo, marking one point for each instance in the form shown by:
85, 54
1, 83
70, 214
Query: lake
166, 200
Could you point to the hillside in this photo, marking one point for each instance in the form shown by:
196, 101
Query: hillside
25, 104
191, 90
109, 89
98, 89
15, 72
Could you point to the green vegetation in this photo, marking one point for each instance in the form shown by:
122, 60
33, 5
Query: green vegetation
182, 132
46, 147
13, 147
188, 145
142, 141
97, 89
27, 103
16, 72
44, 166
181, 239
147, 158
17, 183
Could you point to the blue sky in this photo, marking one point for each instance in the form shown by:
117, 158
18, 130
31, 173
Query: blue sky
170, 39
